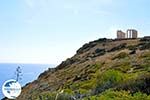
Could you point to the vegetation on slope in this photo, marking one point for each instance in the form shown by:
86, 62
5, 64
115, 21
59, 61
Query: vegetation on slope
104, 69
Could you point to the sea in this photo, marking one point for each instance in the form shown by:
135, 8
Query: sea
29, 72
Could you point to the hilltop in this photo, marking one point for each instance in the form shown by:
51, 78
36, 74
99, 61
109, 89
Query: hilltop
104, 69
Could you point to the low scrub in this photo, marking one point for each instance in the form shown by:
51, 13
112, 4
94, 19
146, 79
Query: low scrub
119, 95
107, 80
120, 55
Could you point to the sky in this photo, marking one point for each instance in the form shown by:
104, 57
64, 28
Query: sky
50, 31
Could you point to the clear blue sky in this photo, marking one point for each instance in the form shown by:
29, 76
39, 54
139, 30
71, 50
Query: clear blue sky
49, 31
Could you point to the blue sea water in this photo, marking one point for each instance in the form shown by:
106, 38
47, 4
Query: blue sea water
30, 72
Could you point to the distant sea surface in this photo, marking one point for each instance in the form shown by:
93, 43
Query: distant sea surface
30, 72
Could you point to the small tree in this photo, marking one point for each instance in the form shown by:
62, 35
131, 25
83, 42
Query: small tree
18, 73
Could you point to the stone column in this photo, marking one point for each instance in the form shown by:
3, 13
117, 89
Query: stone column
130, 33
127, 34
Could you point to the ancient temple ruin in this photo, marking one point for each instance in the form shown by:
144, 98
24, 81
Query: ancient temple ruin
120, 34
130, 34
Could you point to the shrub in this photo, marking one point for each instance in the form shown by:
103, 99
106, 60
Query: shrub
145, 46
119, 47
135, 84
132, 47
88, 84
145, 55
118, 95
64, 96
99, 52
122, 95
107, 80
69, 91
46, 96
122, 66
120, 55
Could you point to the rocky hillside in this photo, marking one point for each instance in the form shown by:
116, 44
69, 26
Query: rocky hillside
104, 69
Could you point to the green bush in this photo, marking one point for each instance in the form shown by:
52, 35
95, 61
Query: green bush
123, 66
119, 95
68, 91
89, 84
46, 96
64, 96
112, 76
122, 95
108, 79
54, 96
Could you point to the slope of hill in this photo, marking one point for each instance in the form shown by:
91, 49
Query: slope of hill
103, 69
